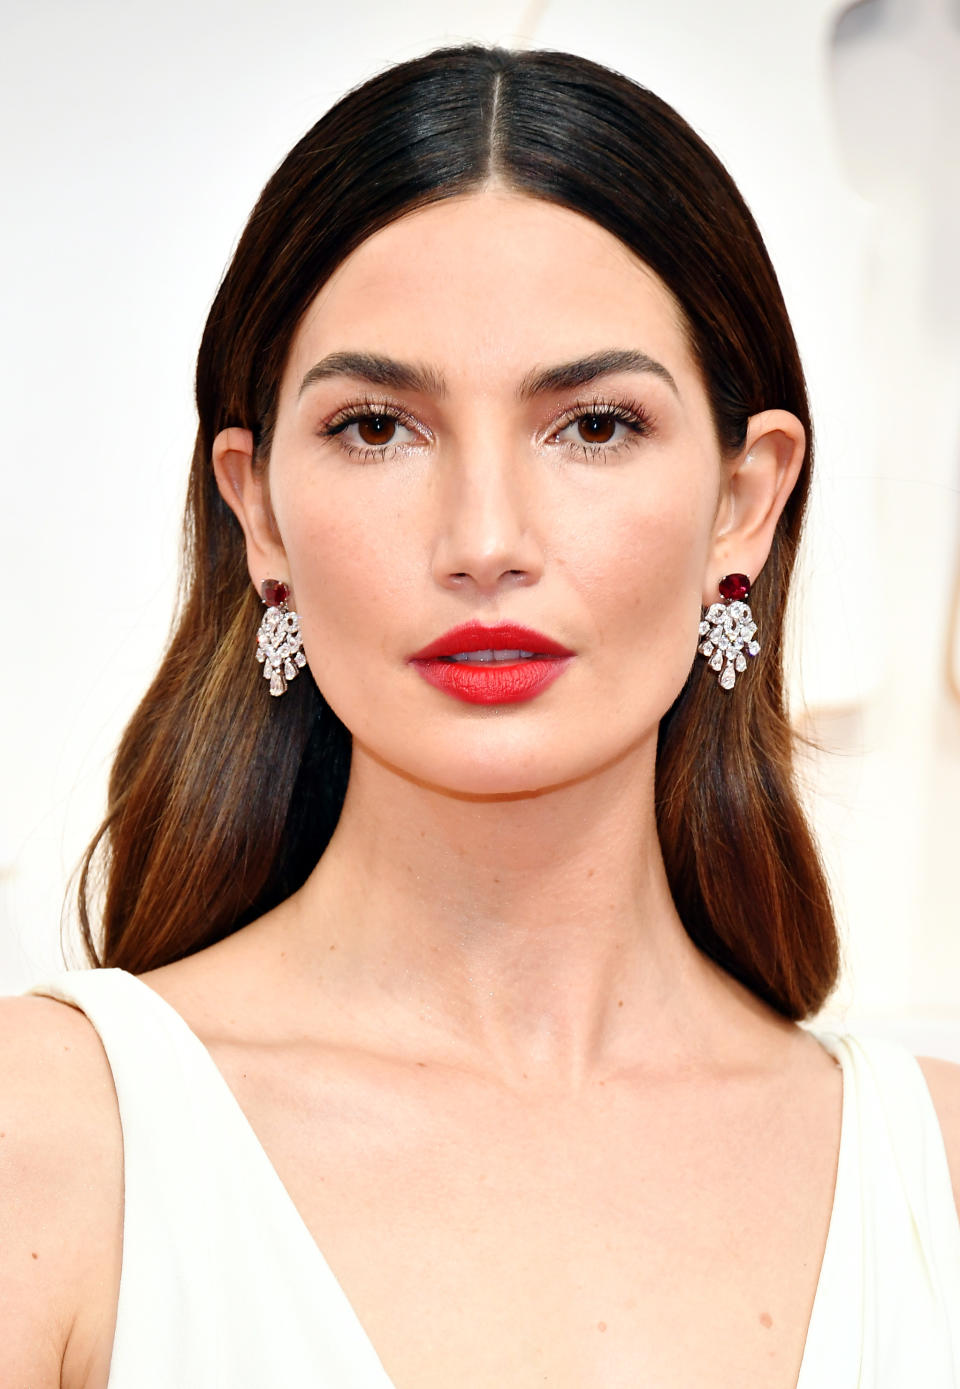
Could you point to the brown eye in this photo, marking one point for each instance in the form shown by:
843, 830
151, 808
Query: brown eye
596, 429
376, 430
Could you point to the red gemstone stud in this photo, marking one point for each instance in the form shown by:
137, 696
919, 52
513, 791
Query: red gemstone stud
735, 587
274, 592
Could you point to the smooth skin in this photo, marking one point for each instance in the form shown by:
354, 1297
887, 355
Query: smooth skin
540, 1138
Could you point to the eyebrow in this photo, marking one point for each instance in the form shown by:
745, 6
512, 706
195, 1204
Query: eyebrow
585, 369
379, 371
409, 376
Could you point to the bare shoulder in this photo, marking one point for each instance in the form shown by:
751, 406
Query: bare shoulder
61, 1195
943, 1082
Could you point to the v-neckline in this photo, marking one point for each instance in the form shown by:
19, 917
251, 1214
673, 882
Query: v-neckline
361, 1337
822, 1346
372, 1367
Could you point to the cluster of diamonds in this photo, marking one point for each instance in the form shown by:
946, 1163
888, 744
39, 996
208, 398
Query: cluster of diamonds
279, 647
728, 630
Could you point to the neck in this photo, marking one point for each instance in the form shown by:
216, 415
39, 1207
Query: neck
535, 933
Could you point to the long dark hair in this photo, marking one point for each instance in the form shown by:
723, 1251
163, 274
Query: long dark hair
222, 801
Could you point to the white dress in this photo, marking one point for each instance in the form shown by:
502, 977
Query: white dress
222, 1285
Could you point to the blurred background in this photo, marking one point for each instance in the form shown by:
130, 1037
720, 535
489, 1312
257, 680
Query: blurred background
137, 137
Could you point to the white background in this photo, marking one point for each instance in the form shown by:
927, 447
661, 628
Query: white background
136, 138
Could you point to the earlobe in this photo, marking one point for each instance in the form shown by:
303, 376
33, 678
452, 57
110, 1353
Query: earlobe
244, 489
758, 482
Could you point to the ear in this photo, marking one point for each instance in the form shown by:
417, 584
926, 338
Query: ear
756, 484
245, 490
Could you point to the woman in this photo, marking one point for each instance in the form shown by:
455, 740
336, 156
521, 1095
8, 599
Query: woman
474, 957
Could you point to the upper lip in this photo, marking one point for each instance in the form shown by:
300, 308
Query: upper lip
505, 636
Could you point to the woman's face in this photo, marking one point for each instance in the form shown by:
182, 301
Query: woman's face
443, 483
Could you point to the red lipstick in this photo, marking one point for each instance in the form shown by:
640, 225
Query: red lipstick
495, 680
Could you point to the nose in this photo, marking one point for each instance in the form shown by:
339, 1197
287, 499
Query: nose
486, 537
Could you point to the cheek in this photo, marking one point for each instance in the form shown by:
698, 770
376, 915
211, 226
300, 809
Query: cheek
643, 581
352, 572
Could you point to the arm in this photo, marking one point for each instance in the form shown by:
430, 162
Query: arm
61, 1197
943, 1082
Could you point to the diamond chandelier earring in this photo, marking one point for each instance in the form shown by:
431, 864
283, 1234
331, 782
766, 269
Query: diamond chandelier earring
728, 629
279, 648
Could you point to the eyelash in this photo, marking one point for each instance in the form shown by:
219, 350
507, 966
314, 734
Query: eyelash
365, 410
633, 417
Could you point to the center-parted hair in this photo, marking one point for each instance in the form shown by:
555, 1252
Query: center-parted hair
222, 800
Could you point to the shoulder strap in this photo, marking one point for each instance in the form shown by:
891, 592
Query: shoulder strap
908, 1206
163, 1315
898, 1089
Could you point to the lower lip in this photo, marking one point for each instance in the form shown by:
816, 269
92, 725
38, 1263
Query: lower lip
506, 682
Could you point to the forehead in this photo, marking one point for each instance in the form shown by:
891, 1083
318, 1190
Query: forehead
486, 284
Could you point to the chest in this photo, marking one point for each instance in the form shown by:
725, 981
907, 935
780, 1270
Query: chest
662, 1235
